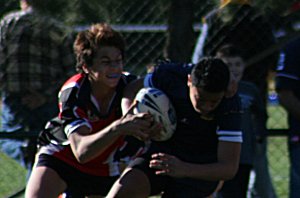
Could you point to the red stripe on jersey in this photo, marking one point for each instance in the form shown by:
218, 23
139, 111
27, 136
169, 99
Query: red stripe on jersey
101, 165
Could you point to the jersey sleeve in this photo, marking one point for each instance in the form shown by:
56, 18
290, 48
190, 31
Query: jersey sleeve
229, 121
166, 75
72, 107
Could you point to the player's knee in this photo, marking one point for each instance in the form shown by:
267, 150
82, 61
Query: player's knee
133, 183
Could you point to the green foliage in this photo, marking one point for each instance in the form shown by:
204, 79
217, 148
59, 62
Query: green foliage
8, 6
278, 6
126, 11
12, 175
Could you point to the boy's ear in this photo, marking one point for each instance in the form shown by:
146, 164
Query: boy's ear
189, 81
232, 86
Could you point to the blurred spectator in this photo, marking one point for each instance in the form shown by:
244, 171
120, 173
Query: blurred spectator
253, 122
239, 23
287, 86
36, 57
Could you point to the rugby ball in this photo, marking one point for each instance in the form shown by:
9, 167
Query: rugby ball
156, 102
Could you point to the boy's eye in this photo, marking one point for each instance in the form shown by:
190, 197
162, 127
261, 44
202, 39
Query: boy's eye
111, 63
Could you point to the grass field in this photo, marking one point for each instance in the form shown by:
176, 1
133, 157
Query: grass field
12, 176
279, 165
277, 151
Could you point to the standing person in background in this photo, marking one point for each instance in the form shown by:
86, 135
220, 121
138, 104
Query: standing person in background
253, 122
83, 162
288, 89
36, 57
239, 23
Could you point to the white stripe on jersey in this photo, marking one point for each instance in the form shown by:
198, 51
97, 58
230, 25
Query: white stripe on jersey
231, 139
286, 75
67, 86
70, 128
230, 136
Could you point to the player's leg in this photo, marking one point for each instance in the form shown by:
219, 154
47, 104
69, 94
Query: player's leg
44, 182
133, 183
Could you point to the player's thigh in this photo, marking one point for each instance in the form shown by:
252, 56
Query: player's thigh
44, 182
133, 183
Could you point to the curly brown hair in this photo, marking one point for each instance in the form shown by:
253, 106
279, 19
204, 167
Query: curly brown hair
89, 41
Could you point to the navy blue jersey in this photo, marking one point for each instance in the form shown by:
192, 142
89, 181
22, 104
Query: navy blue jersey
196, 137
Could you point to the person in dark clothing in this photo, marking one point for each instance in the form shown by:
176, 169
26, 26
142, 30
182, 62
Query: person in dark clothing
253, 122
205, 146
287, 86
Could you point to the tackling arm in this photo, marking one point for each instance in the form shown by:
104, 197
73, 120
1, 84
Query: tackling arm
225, 168
129, 94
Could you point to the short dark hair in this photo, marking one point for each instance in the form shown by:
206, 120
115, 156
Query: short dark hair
28, 1
89, 41
211, 74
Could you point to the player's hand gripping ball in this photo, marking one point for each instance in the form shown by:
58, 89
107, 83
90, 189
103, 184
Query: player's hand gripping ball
156, 102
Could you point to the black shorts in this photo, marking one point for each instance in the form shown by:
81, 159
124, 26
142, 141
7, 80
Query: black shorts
173, 187
79, 184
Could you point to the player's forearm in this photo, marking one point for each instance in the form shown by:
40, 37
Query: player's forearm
211, 172
86, 147
225, 168
129, 94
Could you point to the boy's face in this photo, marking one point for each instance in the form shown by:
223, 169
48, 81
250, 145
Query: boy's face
236, 66
107, 66
204, 102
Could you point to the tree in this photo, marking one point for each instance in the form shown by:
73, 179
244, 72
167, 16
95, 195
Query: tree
8, 6
180, 35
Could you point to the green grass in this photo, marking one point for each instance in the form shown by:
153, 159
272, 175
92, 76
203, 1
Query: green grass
279, 165
278, 152
12, 176
277, 117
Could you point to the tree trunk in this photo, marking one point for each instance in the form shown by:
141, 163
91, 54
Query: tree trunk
180, 35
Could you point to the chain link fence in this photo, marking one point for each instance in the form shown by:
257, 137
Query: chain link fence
144, 25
